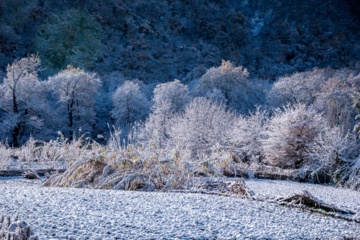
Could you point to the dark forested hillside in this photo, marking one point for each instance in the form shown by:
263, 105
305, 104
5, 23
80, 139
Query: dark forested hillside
163, 40
184, 85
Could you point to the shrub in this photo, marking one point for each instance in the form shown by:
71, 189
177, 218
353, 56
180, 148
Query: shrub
169, 100
330, 151
348, 174
334, 100
289, 135
202, 129
229, 83
247, 135
327, 90
300, 87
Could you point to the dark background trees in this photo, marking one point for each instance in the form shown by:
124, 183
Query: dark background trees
166, 40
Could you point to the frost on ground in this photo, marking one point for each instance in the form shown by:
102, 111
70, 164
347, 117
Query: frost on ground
60, 213
340, 197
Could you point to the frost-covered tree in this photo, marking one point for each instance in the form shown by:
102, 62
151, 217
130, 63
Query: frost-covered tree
227, 82
334, 100
202, 128
290, 134
247, 134
328, 90
299, 87
331, 149
169, 99
129, 104
21, 99
75, 89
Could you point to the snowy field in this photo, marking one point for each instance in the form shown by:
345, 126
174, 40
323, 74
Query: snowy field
59, 213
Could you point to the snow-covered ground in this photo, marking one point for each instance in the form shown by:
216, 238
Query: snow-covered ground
60, 213
340, 197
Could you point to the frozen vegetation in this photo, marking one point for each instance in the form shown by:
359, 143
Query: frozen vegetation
167, 102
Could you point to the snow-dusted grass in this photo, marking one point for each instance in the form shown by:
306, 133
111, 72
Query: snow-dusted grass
36, 155
5, 156
58, 213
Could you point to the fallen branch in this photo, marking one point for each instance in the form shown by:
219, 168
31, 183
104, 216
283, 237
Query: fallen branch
308, 202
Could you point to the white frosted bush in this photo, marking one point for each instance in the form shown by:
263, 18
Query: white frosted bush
328, 90
247, 135
169, 100
290, 134
202, 129
129, 104
5, 156
299, 87
229, 84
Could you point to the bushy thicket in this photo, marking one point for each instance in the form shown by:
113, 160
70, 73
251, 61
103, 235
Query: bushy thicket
223, 123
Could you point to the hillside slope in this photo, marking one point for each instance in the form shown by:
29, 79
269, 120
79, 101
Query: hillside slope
162, 40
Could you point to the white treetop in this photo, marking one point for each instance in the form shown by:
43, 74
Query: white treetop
21, 97
75, 90
129, 104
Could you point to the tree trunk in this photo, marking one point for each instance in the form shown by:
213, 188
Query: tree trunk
16, 129
15, 135
71, 120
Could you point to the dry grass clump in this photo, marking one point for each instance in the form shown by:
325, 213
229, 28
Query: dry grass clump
15, 230
34, 155
135, 166
123, 174
115, 166
222, 186
5, 156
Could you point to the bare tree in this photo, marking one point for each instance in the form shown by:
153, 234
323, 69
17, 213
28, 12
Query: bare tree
247, 135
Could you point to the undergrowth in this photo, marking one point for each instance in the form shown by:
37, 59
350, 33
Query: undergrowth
141, 165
